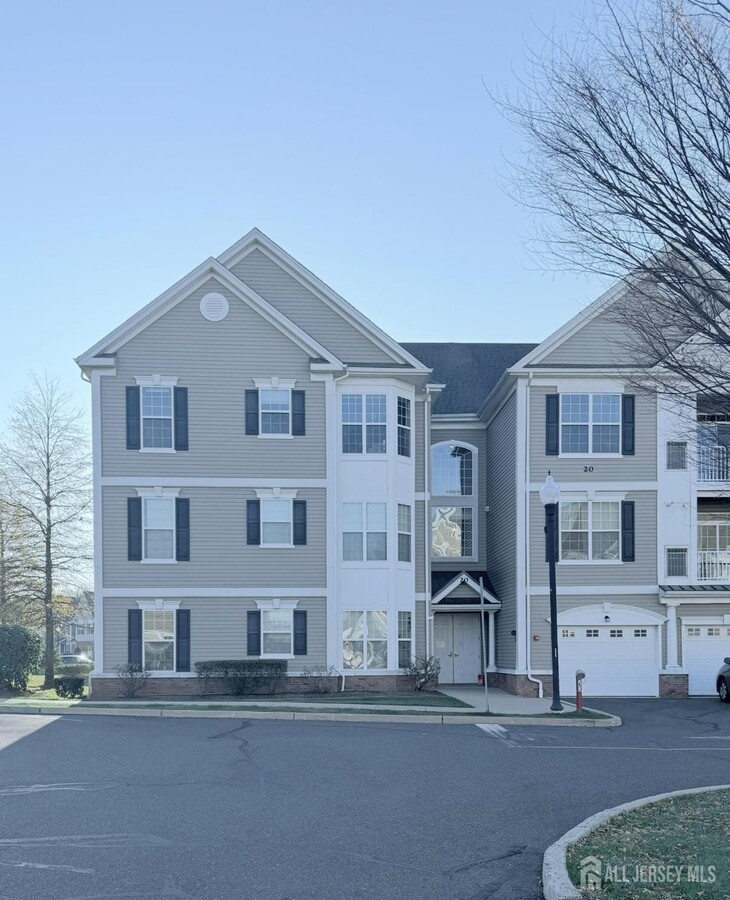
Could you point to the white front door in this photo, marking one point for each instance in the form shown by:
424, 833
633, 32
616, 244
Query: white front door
457, 644
704, 648
619, 661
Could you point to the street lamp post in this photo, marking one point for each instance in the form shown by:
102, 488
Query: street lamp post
550, 495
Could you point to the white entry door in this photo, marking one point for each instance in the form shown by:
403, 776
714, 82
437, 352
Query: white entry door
619, 661
704, 647
457, 644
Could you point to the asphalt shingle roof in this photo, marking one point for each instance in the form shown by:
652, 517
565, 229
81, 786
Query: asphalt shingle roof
469, 371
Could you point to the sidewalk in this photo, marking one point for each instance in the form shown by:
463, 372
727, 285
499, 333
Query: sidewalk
501, 702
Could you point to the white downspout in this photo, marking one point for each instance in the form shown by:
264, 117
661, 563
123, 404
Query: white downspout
427, 514
528, 629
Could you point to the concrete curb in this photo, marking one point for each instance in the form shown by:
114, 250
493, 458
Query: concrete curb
556, 883
322, 716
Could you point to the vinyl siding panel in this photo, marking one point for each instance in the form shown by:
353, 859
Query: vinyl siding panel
477, 438
602, 341
217, 362
540, 611
640, 467
643, 571
217, 629
219, 555
501, 530
418, 444
420, 626
419, 554
300, 305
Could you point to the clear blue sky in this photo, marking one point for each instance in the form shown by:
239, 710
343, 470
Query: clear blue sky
141, 137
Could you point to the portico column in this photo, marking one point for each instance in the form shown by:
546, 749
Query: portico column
492, 661
672, 658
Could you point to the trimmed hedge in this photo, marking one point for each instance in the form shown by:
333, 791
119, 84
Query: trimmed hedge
80, 669
70, 686
20, 652
244, 675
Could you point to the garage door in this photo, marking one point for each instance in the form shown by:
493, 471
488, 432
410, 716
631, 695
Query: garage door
618, 661
703, 649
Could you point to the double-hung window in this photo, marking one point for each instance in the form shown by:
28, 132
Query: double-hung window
404, 426
275, 410
158, 528
364, 423
404, 532
157, 418
454, 493
405, 636
276, 521
159, 640
276, 632
590, 423
364, 532
590, 530
365, 639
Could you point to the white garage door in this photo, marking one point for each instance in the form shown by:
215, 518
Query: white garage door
703, 650
619, 661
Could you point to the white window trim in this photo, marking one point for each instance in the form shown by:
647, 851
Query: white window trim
471, 500
388, 641
160, 605
276, 603
667, 548
590, 423
277, 494
363, 393
590, 498
402, 562
159, 493
156, 381
370, 563
400, 640
276, 384
408, 428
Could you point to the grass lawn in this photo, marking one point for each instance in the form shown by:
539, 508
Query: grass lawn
414, 698
35, 691
691, 831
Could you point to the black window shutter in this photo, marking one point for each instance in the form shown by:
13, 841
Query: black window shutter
552, 424
300, 522
300, 632
252, 412
134, 528
133, 418
628, 427
181, 418
253, 522
254, 633
182, 529
628, 532
297, 413
134, 637
182, 640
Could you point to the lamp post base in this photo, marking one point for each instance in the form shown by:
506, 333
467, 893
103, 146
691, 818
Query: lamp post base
556, 706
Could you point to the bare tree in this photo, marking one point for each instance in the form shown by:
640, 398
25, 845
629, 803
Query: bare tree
628, 170
47, 470
20, 582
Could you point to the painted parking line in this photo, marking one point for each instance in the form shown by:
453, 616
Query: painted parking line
498, 732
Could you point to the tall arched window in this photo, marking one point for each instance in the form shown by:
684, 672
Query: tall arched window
454, 498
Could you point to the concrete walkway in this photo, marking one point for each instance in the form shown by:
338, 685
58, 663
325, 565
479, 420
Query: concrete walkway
500, 701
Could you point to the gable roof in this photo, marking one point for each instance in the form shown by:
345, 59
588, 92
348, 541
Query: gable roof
469, 371
211, 268
444, 583
256, 239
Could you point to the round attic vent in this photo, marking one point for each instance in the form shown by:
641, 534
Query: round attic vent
214, 307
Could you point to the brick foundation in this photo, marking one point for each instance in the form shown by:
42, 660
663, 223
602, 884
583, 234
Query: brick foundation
170, 688
673, 686
520, 685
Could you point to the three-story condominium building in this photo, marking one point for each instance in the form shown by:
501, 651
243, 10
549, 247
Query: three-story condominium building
275, 477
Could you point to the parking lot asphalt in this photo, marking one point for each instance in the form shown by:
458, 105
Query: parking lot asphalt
103, 807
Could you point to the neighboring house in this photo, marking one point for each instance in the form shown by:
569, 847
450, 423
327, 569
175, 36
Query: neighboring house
276, 477
76, 637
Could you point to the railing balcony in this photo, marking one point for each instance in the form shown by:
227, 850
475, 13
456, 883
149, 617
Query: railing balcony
713, 464
713, 565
